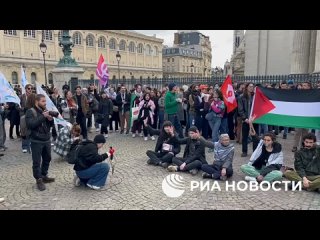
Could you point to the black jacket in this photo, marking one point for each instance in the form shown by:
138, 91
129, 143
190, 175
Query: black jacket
165, 138
244, 107
39, 126
119, 102
88, 156
197, 154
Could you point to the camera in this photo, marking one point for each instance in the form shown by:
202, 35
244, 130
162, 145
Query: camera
53, 114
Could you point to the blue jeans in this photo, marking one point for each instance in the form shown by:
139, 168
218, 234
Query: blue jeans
173, 118
224, 126
215, 125
285, 131
263, 129
26, 144
161, 118
96, 174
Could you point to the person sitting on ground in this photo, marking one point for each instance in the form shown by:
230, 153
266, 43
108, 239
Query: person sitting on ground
223, 158
167, 145
194, 154
89, 167
67, 135
266, 161
307, 164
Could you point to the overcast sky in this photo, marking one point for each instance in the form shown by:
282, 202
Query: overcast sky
221, 42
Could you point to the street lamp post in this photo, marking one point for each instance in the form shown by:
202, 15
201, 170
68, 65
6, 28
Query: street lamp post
43, 49
118, 56
191, 66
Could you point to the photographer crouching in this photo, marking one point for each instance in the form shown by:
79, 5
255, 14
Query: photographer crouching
39, 121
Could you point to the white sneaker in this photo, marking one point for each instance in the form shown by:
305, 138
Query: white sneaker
24, 150
1, 200
97, 130
52, 144
146, 138
106, 135
153, 138
93, 187
133, 135
172, 168
76, 181
141, 134
250, 179
90, 130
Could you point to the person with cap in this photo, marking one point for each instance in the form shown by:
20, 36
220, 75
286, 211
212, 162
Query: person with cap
171, 108
90, 170
194, 154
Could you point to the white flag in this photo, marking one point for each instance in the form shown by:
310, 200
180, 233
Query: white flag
24, 81
7, 93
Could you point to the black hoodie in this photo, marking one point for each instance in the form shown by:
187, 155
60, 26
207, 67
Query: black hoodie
88, 156
165, 138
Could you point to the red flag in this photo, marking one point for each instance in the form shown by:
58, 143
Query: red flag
261, 105
229, 97
102, 71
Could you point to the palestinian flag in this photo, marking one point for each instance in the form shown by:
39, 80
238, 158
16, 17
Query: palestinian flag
287, 108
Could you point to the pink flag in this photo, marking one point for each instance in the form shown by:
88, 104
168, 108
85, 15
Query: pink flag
102, 71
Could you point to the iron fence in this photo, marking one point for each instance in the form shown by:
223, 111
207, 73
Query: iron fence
160, 82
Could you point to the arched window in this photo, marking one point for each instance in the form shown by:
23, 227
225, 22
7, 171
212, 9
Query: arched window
148, 50
156, 51
30, 33
122, 45
90, 40
50, 78
102, 42
10, 32
47, 35
140, 77
124, 77
91, 77
33, 78
76, 38
131, 47
112, 43
14, 78
114, 77
140, 48
132, 77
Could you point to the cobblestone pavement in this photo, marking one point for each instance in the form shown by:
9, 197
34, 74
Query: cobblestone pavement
134, 185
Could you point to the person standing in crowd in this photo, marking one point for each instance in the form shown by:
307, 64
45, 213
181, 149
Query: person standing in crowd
14, 118
56, 99
192, 96
82, 103
90, 168
161, 108
146, 113
25, 144
123, 103
93, 106
69, 108
167, 145
223, 158
115, 113
136, 98
238, 119
3, 113
105, 111
65, 88
154, 98
307, 164
194, 154
38, 122
300, 132
171, 108
244, 109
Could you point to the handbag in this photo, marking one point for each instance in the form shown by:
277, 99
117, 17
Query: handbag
135, 113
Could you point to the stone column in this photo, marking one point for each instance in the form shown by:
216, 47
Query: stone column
312, 50
317, 53
300, 52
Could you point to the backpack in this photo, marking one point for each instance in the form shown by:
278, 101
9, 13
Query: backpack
25, 131
72, 156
